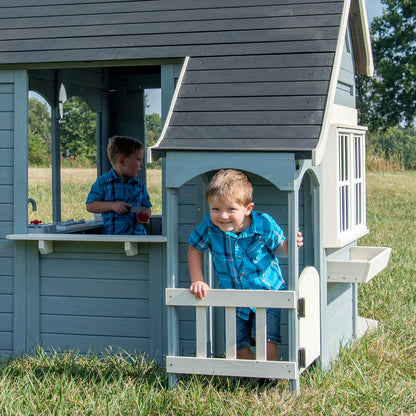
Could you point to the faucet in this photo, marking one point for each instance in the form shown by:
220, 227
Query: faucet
33, 202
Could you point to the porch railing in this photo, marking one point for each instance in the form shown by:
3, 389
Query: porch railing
230, 365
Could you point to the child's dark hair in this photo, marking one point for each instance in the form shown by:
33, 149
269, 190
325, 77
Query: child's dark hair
122, 146
231, 185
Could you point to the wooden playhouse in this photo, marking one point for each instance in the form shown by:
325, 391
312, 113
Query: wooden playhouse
264, 86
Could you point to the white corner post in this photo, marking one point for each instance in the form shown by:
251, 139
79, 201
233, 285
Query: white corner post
172, 276
293, 274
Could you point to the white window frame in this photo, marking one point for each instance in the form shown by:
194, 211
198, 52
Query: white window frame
343, 186
351, 183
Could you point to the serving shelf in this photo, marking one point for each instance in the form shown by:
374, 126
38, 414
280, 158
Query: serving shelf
45, 241
364, 263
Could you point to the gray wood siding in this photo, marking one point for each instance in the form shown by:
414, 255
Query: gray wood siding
345, 94
339, 315
191, 203
258, 73
93, 297
6, 211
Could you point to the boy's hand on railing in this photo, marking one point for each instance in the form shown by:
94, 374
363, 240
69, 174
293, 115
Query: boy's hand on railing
283, 249
299, 239
199, 289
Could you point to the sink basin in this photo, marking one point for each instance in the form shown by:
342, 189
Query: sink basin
64, 227
41, 228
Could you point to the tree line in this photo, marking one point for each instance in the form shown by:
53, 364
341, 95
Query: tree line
77, 133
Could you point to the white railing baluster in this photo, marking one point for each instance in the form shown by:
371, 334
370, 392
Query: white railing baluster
261, 334
230, 334
201, 331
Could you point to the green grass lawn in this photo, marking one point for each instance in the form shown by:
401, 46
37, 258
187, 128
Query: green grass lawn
375, 376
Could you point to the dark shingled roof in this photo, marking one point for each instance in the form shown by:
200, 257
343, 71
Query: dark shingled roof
258, 73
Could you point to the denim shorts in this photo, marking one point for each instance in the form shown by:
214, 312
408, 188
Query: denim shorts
246, 329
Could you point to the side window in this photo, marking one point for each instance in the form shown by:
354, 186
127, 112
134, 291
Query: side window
358, 179
351, 191
343, 182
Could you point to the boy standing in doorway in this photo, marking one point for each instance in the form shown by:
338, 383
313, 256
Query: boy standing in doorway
244, 244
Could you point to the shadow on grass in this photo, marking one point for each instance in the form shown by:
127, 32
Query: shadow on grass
116, 366
92, 367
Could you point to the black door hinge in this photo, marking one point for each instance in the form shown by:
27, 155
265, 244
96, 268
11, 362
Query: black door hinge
302, 358
301, 308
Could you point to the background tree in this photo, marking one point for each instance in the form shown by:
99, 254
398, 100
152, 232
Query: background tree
153, 131
389, 98
39, 133
78, 130
78, 133
153, 128
396, 145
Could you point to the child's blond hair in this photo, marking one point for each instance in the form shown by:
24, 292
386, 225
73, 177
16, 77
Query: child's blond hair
122, 146
230, 185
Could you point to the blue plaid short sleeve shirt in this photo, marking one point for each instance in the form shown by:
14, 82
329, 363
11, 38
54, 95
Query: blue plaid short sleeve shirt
246, 260
110, 187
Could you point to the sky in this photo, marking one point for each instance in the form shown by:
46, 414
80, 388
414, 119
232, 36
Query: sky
374, 8
154, 101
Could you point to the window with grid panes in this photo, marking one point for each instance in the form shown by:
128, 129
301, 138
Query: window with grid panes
350, 180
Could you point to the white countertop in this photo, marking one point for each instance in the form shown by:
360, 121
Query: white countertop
45, 241
89, 237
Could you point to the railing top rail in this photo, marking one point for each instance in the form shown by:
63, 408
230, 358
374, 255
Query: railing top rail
284, 299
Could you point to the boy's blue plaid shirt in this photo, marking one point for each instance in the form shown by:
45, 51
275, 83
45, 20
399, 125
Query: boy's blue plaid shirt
109, 187
244, 261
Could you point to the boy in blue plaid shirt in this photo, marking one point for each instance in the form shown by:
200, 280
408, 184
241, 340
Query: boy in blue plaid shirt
244, 244
115, 193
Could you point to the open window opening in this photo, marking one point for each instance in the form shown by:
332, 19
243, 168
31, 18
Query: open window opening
76, 164
39, 159
153, 116
78, 157
81, 108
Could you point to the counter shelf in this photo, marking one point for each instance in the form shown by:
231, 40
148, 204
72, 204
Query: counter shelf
45, 241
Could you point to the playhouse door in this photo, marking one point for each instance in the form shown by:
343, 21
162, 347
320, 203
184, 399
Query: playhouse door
309, 326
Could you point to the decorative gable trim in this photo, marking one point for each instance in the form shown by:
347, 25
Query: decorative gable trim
354, 14
360, 34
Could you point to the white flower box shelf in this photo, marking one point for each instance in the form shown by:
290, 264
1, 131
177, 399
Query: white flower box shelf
363, 265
